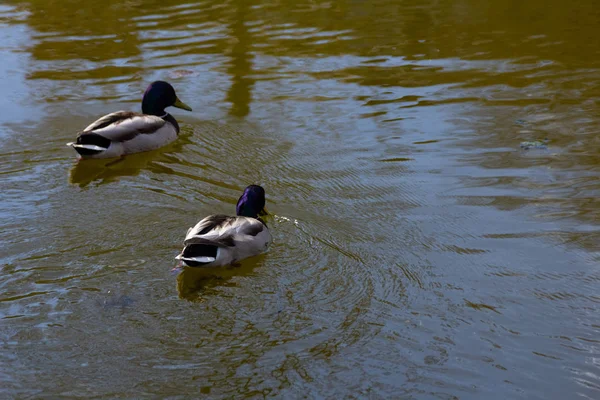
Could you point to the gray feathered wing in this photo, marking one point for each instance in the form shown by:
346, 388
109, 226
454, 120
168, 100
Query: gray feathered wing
223, 230
122, 126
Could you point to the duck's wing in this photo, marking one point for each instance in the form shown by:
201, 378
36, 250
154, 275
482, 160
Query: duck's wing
223, 230
122, 126
214, 229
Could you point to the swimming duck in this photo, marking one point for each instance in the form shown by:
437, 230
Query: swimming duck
220, 240
126, 132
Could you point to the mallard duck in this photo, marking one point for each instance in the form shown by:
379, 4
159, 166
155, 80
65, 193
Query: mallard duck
126, 132
220, 240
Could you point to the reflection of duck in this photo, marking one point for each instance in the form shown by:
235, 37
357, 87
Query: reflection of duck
193, 281
126, 132
220, 240
105, 171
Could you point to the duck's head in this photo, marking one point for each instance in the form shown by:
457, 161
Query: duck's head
252, 202
159, 96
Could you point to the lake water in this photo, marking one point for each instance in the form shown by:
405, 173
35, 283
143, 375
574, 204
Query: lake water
422, 247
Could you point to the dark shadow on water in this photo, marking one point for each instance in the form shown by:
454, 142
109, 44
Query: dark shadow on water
193, 283
114, 301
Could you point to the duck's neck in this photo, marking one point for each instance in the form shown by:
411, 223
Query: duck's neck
149, 109
169, 118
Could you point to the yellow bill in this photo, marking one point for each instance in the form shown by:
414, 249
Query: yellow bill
181, 104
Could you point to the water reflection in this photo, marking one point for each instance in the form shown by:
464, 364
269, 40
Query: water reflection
195, 284
67, 31
389, 132
240, 66
84, 172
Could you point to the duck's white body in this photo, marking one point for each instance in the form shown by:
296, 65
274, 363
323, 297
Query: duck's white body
125, 132
220, 240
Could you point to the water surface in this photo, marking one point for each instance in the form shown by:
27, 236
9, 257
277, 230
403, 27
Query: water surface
419, 251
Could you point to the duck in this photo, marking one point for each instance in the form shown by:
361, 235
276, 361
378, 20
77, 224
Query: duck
220, 240
126, 132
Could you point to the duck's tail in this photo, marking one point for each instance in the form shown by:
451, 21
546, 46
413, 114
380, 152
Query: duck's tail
90, 144
198, 255
86, 149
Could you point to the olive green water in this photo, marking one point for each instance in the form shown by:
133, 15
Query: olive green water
419, 251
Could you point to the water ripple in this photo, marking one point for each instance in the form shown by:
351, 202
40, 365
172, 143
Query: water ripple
419, 249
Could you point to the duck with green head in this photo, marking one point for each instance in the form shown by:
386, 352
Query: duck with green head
126, 132
220, 240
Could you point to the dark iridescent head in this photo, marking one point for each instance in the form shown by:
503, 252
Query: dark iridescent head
159, 96
251, 202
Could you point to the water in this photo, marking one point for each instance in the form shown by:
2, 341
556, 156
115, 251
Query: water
419, 251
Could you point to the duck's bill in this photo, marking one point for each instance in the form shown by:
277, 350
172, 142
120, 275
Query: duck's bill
182, 105
263, 212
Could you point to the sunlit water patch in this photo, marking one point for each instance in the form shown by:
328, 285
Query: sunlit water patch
419, 249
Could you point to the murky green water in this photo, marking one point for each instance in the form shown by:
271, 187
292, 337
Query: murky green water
419, 251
